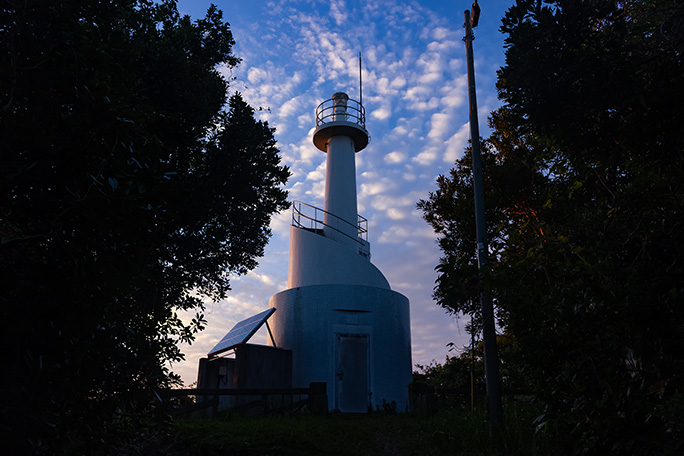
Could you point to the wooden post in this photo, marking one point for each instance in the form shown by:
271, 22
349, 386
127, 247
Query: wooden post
318, 398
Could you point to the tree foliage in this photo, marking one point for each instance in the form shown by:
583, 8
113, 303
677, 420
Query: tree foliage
455, 373
132, 187
584, 204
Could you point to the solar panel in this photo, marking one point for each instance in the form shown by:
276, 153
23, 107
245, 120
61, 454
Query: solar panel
241, 332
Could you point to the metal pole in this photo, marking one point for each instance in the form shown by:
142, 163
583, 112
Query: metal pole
361, 87
472, 366
488, 328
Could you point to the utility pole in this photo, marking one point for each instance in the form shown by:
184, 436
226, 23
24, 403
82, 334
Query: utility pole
491, 358
472, 366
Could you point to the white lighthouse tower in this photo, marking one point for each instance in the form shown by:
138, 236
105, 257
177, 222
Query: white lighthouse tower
339, 317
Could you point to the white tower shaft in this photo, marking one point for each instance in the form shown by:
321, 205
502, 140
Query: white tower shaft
340, 189
340, 132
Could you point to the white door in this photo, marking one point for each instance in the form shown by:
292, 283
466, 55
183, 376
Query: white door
352, 369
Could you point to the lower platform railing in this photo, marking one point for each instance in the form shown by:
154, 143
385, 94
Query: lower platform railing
312, 218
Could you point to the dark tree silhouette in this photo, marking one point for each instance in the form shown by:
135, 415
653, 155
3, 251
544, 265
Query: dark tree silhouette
131, 188
585, 198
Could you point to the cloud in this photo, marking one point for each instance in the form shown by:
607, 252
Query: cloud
256, 75
396, 157
381, 113
455, 93
398, 83
280, 224
441, 33
372, 188
456, 144
338, 12
427, 156
396, 214
288, 109
439, 125
391, 202
317, 174
263, 278
415, 94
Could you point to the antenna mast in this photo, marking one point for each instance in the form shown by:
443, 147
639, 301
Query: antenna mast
360, 82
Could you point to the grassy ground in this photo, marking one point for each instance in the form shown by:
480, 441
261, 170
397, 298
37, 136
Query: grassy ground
446, 433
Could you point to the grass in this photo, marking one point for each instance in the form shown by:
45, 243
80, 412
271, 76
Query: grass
457, 432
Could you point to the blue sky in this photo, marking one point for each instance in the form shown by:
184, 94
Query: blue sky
297, 53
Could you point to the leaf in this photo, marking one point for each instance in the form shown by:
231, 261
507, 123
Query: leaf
113, 183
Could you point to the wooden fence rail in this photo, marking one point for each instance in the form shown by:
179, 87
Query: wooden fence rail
233, 392
317, 397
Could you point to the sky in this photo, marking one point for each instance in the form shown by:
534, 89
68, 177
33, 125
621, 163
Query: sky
296, 54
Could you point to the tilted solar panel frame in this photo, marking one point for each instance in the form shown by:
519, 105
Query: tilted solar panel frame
241, 332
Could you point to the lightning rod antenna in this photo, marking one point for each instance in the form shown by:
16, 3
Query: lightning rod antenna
360, 82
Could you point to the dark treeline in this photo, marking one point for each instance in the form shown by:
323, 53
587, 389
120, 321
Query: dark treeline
585, 212
132, 186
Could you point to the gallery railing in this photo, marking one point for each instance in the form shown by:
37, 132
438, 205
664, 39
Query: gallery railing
312, 218
336, 109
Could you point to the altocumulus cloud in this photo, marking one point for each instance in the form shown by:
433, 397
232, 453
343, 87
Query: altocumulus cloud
295, 54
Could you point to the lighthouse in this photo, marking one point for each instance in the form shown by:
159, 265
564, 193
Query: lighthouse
339, 317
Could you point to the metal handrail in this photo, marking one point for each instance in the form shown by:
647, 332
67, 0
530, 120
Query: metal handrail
316, 223
353, 112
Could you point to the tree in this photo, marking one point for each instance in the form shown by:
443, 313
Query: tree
455, 373
585, 199
132, 188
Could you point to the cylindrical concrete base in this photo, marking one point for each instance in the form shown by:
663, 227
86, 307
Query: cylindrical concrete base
355, 338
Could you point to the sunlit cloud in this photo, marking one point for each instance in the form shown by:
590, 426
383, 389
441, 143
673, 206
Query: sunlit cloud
263, 278
257, 75
454, 93
395, 214
387, 202
439, 125
381, 113
337, 11
398, 83
396, 157
415, 95
456, 144
404, 233
426, 156
375, 188
317, 174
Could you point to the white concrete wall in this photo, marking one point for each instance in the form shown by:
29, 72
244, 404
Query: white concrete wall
308, 318
318, 260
